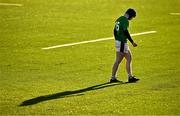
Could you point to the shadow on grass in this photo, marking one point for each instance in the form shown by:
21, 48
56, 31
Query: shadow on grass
67, 94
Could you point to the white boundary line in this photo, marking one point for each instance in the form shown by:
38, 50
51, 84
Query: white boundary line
174, 13
10, 4
92, 41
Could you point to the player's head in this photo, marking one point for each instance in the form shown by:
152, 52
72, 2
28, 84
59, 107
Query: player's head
131, 13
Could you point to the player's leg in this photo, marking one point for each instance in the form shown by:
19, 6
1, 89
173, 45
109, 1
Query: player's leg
128, 57
119, 58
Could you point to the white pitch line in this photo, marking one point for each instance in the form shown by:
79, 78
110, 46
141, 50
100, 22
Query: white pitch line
92, 41
174, 13
10, 4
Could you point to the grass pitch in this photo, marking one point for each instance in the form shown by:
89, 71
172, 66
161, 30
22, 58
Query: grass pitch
73, 80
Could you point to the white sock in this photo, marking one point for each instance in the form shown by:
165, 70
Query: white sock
113, 77
129, 75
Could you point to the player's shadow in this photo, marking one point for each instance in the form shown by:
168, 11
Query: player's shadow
67, 94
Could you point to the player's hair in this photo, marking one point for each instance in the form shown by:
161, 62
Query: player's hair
131, 12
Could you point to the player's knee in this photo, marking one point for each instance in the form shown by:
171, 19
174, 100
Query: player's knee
118, 61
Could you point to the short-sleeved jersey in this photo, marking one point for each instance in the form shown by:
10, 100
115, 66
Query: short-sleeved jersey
122, 23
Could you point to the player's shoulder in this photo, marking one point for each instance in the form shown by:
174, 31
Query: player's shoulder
122, 19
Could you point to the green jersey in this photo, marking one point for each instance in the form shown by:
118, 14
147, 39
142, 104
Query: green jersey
122, 23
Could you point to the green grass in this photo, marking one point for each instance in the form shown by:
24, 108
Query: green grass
73, 80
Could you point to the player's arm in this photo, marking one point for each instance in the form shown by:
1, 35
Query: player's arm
126, 33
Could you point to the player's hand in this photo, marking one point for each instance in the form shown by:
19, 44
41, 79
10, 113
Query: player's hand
134, 44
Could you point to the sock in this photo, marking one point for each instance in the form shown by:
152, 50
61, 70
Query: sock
113, 77
129, 75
